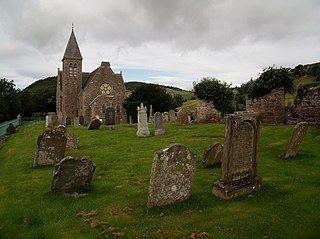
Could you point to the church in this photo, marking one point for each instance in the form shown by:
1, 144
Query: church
85, 95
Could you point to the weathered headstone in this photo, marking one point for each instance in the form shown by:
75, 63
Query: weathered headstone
124, 119
72, 142
11, 129
240, 156
171, 175
50, 119
151, 118
110, 118
76, 122
182, 116
172, 116
19, 118
158, 126
213, 155
68, 121
143, 129
165, 116
51, 146
295, 140
81, 120
130, 119
72, 173
94, 124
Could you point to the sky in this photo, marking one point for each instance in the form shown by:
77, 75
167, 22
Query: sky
169, 42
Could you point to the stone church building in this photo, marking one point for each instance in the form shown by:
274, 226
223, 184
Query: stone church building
87, 94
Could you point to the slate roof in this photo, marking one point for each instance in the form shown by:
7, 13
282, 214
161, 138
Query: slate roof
72, 49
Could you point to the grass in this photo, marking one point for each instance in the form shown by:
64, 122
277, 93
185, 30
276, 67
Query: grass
287, 206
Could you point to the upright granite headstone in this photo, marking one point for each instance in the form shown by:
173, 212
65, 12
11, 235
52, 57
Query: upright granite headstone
295, 140
94, 124
110, 118
182, 116
143, 129
172, 116
51, 146
240, 156
158, 126
72, 141
151, 118
72, 173
212, 156
171, 175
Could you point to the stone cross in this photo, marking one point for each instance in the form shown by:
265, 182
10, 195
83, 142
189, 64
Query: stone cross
171, 175
158, 126
143, 129
240, 156
295, 140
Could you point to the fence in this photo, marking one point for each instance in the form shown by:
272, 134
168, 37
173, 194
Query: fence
15, 122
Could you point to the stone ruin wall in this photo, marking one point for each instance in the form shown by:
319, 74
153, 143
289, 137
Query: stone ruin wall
206, 113
271, 107
308, 108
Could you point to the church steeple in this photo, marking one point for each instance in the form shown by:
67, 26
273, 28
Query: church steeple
72, 50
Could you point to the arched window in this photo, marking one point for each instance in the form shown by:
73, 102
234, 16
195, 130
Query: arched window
75, 70
70, 69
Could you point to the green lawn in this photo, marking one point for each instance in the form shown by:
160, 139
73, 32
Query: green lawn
287, 206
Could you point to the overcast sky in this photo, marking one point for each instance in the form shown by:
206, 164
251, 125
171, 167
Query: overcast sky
171, 42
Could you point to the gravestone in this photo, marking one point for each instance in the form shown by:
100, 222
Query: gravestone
240, 156
11, 129
295, 140
72, 142
130, 119
158, 126
171, 175
143, 129
166, 116
124, 119
87, 120
51, 146
94, 124
110, 118
76, 122
182, 116
19, 118
151, 117
72, 173
212, 156
50, 119
68, 121
81, 120
172, 116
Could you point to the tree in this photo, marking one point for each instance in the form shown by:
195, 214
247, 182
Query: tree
154, 95
218, 92
9, 103
271, 78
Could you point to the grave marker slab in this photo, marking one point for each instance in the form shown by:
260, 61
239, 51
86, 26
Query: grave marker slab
295, 140
212, 156
51, 146
94, 124
143, 129
182, 116
172, 116
240, 156
110, 118
72, 173
158, 126
171, 175
72, 142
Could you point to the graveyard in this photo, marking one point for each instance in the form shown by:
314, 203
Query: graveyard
116, 203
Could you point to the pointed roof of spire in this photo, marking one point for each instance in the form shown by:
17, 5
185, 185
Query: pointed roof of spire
72, 49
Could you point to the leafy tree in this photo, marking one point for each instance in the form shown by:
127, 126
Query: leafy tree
154, 95
218, 92
178, 100
9, 103
271, 78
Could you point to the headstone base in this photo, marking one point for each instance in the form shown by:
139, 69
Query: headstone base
233, 190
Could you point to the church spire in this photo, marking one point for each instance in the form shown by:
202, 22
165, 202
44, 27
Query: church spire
72, 49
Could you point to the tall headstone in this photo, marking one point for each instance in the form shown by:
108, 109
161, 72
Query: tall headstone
165, 116
158, 126
143, 129
94, 124
212, 156
171, 175
49, 120
130, 119
72, 173
51, 146
110, 118
240, 156
76, 122
182, 116
81, 120
172, 116
151, 115
19, 118
295, 140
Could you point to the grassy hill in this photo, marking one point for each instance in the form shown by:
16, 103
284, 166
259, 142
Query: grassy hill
287, 206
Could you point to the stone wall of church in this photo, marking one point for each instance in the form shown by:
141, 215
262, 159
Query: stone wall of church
271, 107
93, 101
